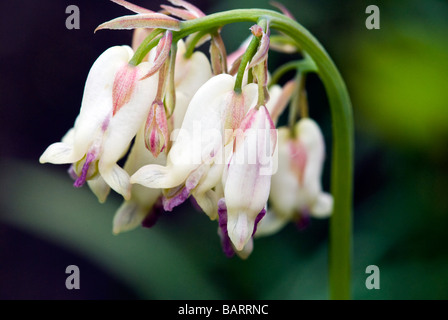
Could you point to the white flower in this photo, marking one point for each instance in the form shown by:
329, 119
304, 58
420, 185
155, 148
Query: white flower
296, 189
113, 106
143, 205
219, 153
196, 159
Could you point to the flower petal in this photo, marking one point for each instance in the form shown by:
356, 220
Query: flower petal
125, 124
129, 216
180, 13
99, 188
157, 176
284, 185
132, 7
312, 139
248, 178
323, 206
59, 153
116, 178
191, 8
147, 20
96, 108
270, 224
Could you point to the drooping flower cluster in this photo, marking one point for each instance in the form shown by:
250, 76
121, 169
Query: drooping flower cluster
197, 126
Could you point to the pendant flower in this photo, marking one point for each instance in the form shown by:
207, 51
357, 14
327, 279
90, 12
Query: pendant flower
223, 151
145, 205
112, 109
296, 191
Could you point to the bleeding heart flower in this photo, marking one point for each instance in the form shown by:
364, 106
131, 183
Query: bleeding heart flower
296, 191
112, 109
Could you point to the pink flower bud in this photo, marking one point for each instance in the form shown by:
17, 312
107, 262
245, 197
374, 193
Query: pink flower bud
156, 129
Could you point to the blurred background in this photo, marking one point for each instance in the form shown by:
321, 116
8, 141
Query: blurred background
397, 79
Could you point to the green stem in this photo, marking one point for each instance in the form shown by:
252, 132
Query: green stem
296, 102
146, 45
340, 249
304, 65
191, 44
250, 51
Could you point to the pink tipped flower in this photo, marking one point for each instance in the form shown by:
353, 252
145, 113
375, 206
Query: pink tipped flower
223, 150
144, 206
112, 109
247, 178
296, 192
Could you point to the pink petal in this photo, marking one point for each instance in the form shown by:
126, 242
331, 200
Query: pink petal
262, 51
283, 9
180, 13
147, 20
162, 53
132, 7
123, 86
193, 9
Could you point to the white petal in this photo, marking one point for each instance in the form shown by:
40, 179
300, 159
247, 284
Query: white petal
323, 206
247, 250
99, 187
311, 137
247, 182
191, 74
129, 216
97, 98
127, 121
208, 201
59, 153
157, 176
199, 137
284, 184
275, 93
116, 177
239, 228
270, 224
69, 137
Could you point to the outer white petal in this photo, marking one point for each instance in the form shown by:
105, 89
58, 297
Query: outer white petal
99, 187
199, 138
97, 98
284, 184
247, 185
58, 153
128, 216
133, 211
208, 202
116, 178
61, 152
128, 120
69, 137
311, 138
247, 250
323, 206
191, 74
270, 224
275, 93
